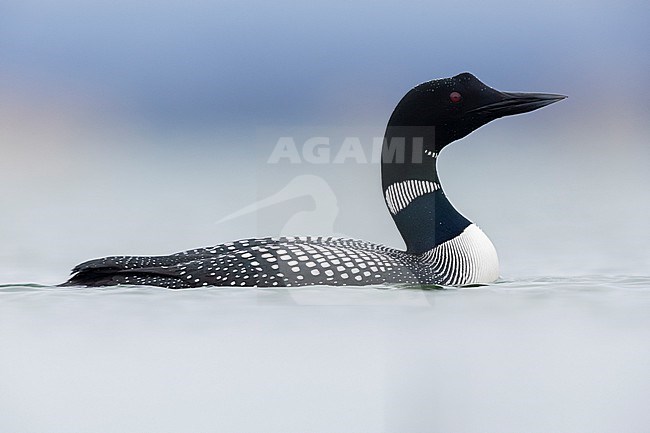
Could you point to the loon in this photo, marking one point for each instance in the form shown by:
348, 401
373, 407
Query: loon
442, 246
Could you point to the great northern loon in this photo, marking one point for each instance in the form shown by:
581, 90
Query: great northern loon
442, 246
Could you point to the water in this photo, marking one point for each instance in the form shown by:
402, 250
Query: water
561, 345
533, 355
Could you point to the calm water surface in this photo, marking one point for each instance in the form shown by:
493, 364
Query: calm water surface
538, 355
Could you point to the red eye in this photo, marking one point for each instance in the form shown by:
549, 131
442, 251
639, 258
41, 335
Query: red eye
455, 97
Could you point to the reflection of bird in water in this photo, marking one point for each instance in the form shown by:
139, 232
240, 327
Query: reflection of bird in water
319, 220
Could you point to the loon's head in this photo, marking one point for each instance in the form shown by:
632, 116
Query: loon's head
458, 105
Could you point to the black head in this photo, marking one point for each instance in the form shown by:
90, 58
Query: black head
458, 105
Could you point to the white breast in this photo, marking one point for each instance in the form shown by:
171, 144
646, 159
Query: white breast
469, 258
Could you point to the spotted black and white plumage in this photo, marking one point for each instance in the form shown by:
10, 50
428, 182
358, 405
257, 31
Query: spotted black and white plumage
283, 262
268, 262
442, 246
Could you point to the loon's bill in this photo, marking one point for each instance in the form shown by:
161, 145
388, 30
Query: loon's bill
442, 246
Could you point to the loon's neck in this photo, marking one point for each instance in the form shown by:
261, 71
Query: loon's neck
412, 190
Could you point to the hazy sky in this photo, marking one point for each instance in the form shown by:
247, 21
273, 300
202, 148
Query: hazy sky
218, 62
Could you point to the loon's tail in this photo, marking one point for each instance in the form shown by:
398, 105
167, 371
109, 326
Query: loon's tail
111, 271
145, 270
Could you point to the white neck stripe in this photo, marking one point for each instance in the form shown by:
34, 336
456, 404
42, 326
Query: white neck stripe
400, 194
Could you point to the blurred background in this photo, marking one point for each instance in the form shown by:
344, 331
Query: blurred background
132, 127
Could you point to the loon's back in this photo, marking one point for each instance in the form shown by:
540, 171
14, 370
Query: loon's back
266, 262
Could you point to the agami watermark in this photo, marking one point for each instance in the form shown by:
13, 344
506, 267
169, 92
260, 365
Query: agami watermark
326, 150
